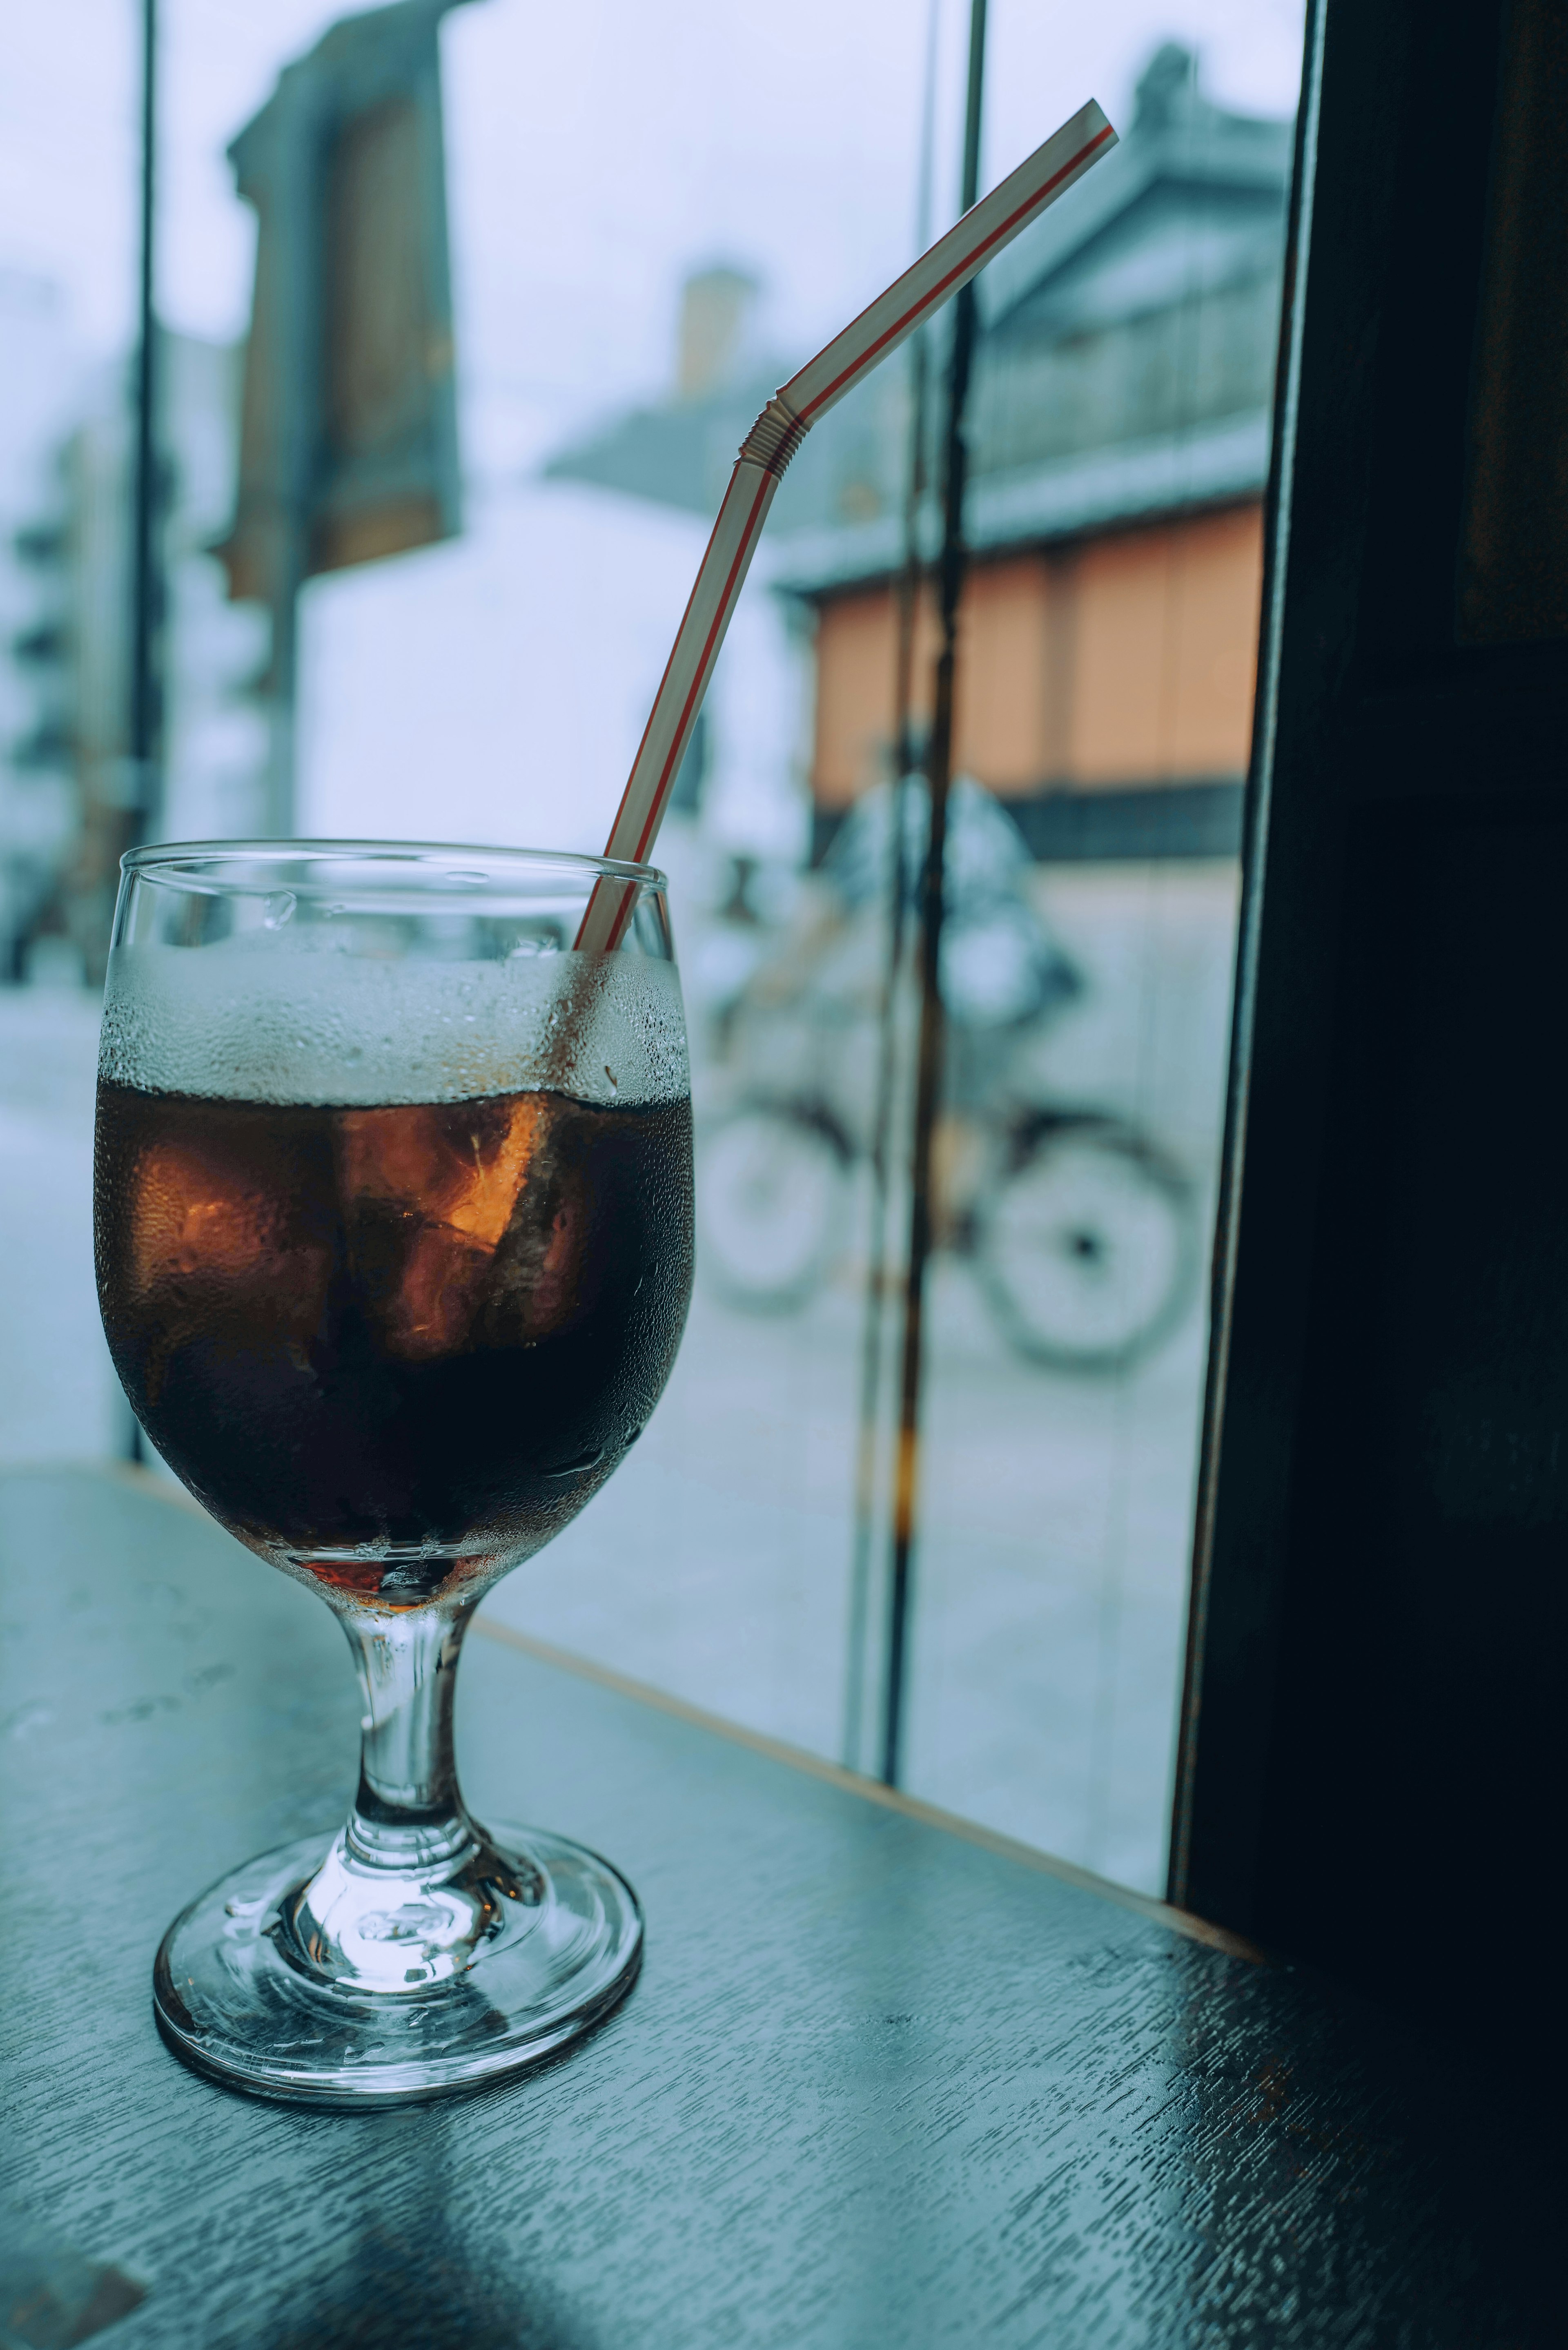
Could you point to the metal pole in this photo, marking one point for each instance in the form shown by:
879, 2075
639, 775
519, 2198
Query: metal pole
146, 581
929, 1064
145, 716
282, 686
873, 1333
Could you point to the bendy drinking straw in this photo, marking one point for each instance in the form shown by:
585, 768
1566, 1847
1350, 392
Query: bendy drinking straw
767, 449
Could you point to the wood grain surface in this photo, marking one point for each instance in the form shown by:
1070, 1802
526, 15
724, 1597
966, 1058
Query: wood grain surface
879, 2083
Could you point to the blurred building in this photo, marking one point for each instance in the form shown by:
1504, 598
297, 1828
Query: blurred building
38, 389
1119, 439
212, 769
679, 450
347, 440
70, 782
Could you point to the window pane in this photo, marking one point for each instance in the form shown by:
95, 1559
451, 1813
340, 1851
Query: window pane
652, 218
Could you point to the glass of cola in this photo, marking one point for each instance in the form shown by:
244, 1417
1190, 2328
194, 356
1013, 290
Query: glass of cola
393, 1230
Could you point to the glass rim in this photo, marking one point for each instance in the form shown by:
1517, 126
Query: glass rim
161, 861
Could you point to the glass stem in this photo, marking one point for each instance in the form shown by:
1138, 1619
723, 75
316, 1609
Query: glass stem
408, 1812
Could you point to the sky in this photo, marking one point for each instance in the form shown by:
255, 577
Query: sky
596, 153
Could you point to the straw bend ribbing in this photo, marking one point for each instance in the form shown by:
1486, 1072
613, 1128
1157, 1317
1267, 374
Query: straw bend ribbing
774, 437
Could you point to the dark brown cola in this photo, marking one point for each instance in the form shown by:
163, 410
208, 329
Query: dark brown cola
428, 1330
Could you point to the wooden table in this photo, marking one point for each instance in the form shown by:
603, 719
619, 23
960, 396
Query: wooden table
884, 2082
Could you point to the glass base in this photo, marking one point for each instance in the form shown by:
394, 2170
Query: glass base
236, 1995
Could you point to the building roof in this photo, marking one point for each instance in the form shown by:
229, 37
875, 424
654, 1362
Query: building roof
1125, 368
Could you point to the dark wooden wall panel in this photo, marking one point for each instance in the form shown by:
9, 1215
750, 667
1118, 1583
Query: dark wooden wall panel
1372, 1737
1344, 176
1420, 1711
1514, 578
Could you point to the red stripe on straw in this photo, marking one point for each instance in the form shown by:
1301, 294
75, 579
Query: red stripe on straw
970, 263
690, 664
750, 530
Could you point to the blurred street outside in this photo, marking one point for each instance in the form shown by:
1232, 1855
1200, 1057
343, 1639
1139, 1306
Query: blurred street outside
59, 1399
715, 1565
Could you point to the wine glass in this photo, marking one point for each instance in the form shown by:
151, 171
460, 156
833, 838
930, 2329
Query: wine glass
393, 1235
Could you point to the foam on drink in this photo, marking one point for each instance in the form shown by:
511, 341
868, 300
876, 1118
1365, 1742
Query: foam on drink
317, 1023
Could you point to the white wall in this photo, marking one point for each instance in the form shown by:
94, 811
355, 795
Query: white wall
494, 689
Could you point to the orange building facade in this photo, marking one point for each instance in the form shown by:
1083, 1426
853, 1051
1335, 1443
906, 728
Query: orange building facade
1118, 433
1113, 663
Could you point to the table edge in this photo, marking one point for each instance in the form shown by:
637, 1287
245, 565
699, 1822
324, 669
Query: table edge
872, 1791
153, 1487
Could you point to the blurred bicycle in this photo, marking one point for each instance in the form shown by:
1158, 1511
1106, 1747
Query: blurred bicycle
1079, 1227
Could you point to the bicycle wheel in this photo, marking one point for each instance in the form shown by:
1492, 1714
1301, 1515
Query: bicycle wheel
1086, 1251
770, 1202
